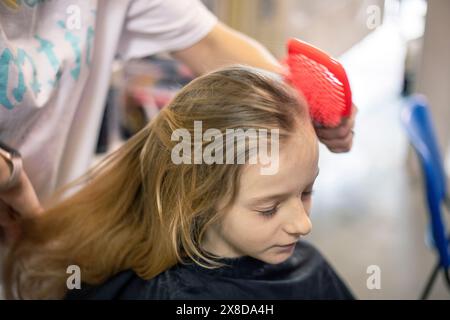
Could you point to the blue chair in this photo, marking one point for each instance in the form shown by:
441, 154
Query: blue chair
418, 123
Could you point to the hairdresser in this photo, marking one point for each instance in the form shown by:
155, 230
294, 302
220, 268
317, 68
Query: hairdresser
55, 64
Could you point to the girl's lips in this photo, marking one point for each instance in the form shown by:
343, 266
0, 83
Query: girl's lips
288, 247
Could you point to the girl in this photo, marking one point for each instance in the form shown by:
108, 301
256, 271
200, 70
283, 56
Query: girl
147, 227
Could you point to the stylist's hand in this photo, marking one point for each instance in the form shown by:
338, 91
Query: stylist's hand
338, 139
16, 203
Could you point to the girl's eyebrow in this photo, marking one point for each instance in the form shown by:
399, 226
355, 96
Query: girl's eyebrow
271, 198
280, 196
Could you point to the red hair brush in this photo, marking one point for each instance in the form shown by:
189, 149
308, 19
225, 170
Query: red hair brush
321, 80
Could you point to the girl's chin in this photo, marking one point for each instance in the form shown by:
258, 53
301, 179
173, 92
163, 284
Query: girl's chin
277, 258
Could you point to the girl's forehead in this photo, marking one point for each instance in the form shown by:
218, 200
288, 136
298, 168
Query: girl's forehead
297, 166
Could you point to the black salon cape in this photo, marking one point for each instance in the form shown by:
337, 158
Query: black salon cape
305, 275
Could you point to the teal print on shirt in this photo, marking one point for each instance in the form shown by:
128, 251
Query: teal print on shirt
35, 85
47, 47
32, 3
5, 59
90, 38
75, 43
53, 83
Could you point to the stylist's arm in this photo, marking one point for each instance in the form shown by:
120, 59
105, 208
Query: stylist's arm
16, 202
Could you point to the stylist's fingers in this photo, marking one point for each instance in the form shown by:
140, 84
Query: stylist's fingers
341, 131
17, 202
340, 145
22, 198
338, 139
338, 132
7, 216
10, 227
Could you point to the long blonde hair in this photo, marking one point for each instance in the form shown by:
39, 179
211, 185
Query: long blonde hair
137, 209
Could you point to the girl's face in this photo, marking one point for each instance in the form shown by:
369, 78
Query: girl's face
271, 212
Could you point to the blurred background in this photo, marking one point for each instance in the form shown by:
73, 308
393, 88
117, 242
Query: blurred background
369, 205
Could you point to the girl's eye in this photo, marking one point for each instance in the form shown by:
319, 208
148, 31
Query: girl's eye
269, 212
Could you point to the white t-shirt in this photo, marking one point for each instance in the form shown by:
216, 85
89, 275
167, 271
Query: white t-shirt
55, 65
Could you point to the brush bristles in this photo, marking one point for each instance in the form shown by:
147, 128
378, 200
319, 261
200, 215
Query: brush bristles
321, 89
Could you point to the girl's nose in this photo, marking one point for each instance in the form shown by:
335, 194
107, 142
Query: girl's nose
298, 222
